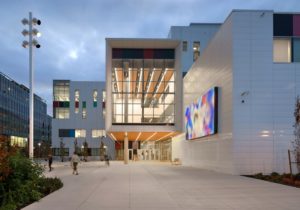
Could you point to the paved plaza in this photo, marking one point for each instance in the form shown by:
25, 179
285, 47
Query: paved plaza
161, 186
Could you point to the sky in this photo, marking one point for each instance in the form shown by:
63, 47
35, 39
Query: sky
74, 32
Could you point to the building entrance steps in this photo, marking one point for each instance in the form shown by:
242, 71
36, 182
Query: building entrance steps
161, 186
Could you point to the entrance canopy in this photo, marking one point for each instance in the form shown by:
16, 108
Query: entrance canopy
142, 136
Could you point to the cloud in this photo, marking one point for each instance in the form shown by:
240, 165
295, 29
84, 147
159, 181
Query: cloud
74, 32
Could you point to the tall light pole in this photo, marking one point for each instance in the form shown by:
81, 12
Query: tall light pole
31, 43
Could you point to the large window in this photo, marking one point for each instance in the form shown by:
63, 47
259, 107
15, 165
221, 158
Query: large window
61, 99
18, 141
139, 89
98, 133
61, 91
282, 50
62, 113
80, 133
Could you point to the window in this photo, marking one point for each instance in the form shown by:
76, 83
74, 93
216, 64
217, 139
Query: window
95, 94
76, 101
296, 50
80, 133
282, 50
138, 90
18, 141
62, 113
61, 91
56, 151
83, 113
98, 133
184, 46
76, 95
196, 50
61, 99
66, 133
84, 110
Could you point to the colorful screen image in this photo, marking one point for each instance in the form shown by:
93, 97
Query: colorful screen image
201, 116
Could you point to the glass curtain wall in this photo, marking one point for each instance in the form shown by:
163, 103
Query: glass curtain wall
143, 91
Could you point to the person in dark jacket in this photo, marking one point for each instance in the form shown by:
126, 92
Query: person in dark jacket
50, 160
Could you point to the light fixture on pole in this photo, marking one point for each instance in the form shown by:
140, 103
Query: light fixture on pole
30, 44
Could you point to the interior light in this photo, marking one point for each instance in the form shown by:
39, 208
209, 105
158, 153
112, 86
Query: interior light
138, 136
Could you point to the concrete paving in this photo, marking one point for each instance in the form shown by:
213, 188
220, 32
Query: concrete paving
161, 186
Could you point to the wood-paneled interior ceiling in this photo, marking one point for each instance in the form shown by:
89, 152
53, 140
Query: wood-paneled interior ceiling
155, 81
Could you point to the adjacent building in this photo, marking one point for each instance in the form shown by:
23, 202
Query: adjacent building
14, 114
195, 39
78, 119
253, 62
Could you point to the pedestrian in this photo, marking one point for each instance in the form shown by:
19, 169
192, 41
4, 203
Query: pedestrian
74, 162
50, 160
107, 160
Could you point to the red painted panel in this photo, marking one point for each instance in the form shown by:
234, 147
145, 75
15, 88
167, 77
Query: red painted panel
148, 53
55, 104
296, 25
118, 146
76, 104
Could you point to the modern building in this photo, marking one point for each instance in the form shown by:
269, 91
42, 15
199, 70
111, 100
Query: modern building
78, 119
194, 38
14, 114
144, 92
252, 64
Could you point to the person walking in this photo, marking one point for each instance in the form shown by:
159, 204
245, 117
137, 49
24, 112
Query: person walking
74, 162
50, 160
107, 160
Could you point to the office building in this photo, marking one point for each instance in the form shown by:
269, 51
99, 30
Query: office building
194, 38
14, 114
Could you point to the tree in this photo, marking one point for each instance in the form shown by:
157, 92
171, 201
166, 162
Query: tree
296, 142
5, 152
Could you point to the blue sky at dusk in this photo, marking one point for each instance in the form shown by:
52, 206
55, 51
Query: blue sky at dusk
74, 32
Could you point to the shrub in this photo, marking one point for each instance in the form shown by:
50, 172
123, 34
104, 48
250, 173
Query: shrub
259, 176
49, 185
19, 186
22, 182
297, 176
274, 174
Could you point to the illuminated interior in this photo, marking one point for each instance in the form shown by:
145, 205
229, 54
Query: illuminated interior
143, 91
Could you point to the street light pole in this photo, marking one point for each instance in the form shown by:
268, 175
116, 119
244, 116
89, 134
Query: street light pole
32, 42
31, 103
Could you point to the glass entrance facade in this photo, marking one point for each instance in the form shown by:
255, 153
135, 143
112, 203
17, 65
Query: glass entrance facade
143, 86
